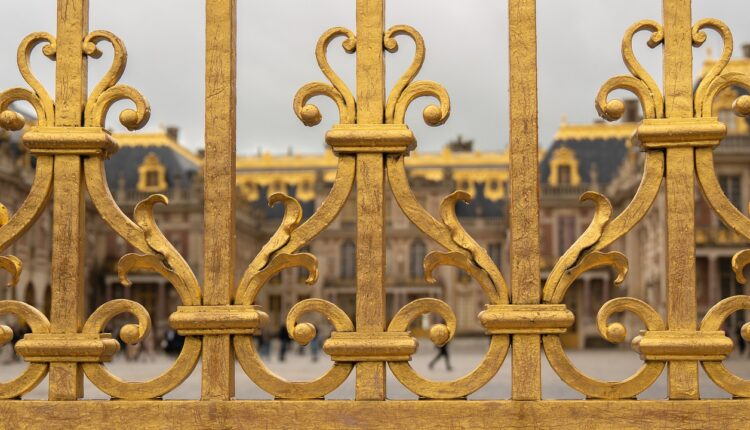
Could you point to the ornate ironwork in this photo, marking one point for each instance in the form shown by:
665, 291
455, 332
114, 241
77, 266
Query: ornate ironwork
371, 141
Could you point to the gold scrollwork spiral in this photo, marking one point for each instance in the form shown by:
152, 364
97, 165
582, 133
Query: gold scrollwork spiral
279, 254
716, 80
37, 97
713, 321
640, 83
463, 252
337, 91
406, 90
584, 255
35, 372
587, 252
302, 333
108, 91
143, 234
156, 255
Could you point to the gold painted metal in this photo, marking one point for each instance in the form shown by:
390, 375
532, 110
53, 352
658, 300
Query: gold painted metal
219, 191
678, 136
369, 141
524, 192
526, 319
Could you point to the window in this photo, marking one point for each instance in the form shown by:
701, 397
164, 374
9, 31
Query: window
348, 260
417, 253
566, 233
731, 186
152, 175
563, 175
496, 252
728, 117
152, 179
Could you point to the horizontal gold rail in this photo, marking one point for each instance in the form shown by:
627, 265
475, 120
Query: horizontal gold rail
336, 414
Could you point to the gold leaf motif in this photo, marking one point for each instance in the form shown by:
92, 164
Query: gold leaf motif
107, 92
640, 83
310, 114
35, 372
406, 90
39, 99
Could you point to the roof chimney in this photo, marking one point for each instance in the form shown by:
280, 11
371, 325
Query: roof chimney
631, 114
173, 132
746, 50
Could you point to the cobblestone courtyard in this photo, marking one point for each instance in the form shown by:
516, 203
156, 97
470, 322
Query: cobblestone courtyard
465, 355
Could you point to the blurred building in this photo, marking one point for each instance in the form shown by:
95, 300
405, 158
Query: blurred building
582, 157
433, 176
33, 248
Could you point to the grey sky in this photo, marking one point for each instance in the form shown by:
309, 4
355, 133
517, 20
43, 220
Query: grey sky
579, 43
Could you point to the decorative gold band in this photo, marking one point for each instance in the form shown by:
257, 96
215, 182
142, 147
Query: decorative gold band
375, 138
217, 320
354, 346
683, 346
70, 141
680, 132
53, 348
526, 319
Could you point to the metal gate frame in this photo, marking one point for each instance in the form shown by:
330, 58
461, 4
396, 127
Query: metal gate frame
371, 140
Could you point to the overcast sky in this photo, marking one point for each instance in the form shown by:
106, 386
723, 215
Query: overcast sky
579, 48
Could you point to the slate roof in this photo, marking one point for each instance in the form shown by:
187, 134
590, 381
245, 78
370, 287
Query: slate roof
606, 154
124, 163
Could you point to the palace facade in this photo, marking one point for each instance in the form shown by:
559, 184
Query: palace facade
582, 157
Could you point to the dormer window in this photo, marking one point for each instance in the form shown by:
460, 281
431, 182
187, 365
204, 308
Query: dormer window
563, 168
563, 175
152, 175
152, 179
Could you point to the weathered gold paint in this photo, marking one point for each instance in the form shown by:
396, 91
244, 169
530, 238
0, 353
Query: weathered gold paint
371, 140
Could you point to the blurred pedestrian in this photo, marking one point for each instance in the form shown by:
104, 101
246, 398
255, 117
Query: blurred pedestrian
149, 347
284, 340
264, 344
315, 347
17, 335
442, 353
740, 340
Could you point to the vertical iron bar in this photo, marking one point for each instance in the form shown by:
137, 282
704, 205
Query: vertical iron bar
219, 190
68, 232
370, 304
524, 191
680, 187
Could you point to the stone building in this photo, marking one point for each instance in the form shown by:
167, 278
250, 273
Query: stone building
595, 156
433, 176
145, 164
34, 247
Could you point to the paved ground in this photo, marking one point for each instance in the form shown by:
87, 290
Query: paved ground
465, 354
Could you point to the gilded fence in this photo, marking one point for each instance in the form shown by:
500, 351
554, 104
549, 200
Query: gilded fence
219, 317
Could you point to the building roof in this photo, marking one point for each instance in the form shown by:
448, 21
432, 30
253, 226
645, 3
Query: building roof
181, 164
598, 147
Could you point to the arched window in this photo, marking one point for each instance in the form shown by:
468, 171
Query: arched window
348, 260
29, 296
417, 253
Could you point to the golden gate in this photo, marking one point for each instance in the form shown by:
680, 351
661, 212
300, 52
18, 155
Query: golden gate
371, 140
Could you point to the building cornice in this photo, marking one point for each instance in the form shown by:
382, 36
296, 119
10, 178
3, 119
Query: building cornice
595, 131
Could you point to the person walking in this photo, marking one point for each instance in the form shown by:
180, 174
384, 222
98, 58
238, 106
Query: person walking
315, 347
283, 342
442, 353
740, 340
